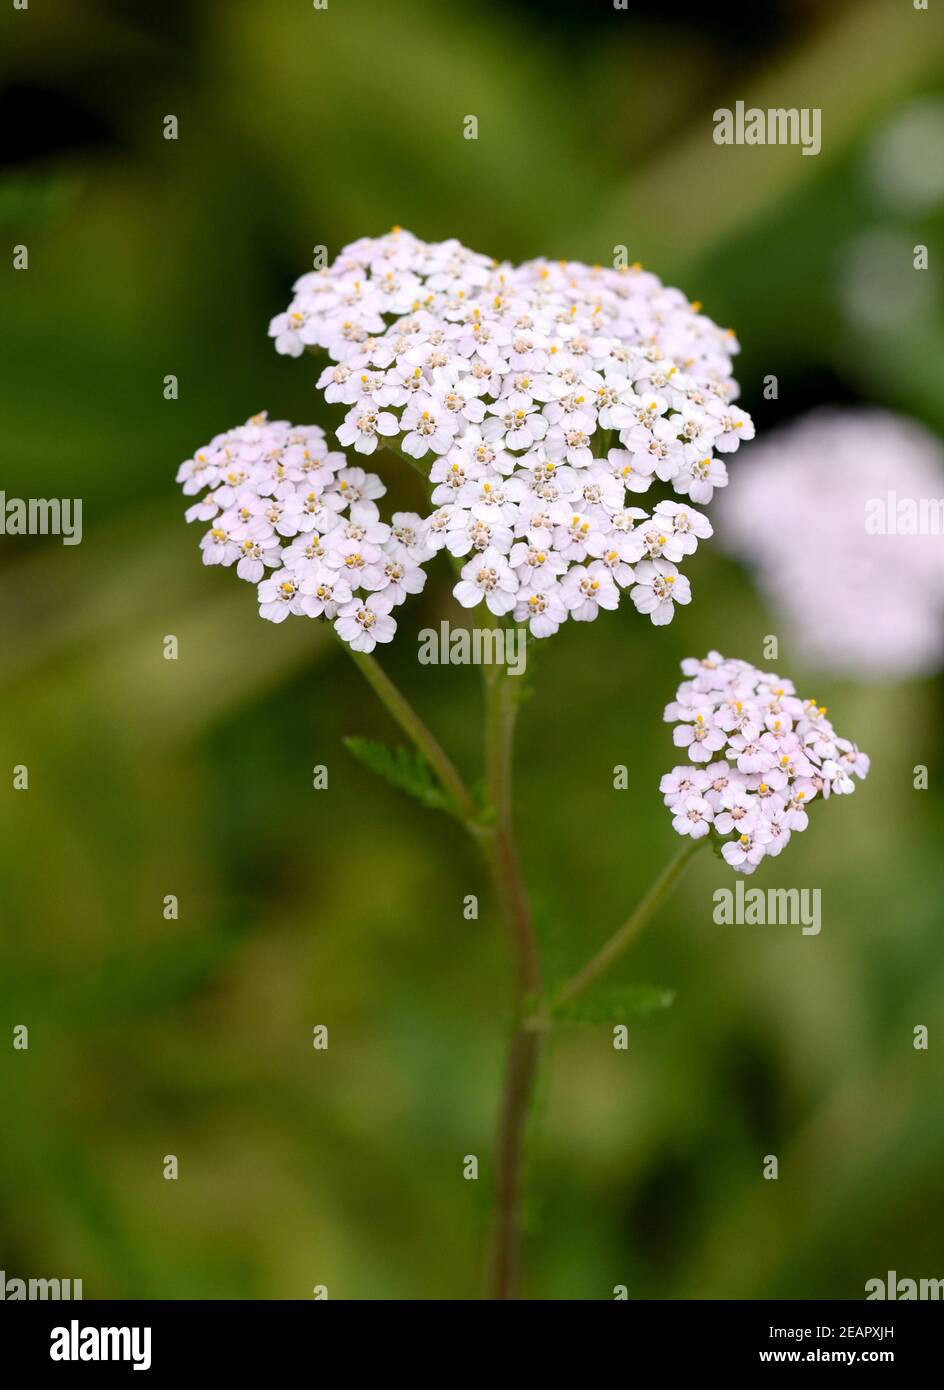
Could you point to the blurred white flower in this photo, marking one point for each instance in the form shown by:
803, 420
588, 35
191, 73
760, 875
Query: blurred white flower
841, 517
906, 159
877, 287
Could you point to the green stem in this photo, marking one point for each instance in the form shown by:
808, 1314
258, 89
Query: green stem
627, 933
497, 834
524, 1051
504, 1264
500, 710
497, 839
423, 739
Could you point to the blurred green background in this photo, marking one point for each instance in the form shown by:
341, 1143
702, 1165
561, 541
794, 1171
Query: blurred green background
344, 907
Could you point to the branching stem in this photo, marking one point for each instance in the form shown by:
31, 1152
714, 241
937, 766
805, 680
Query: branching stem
493, 830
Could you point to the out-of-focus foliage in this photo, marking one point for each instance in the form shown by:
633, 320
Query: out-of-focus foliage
343, 907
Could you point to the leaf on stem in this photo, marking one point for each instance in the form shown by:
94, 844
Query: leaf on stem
402, 768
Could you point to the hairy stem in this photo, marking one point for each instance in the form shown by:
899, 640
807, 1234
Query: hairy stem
627, 933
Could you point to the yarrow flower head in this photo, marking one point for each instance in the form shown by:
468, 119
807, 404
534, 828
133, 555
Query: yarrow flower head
541, 401
758, 756
841, 518
297, 521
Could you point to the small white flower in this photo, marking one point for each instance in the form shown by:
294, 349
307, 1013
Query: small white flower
429, 425
255, 556
293, 331
280, 596
734, 425
401, 577
490, 577
363, 622
364, 427
702, 738
699, 479
571, 441
324, 593
658, 587
219, 547
542, 609
744, 853
738, 810
693, 817
514, 424
586, 589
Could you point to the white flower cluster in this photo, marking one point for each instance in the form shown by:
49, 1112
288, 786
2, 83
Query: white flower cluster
758, 757
841, 517
277, 498
542, 400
